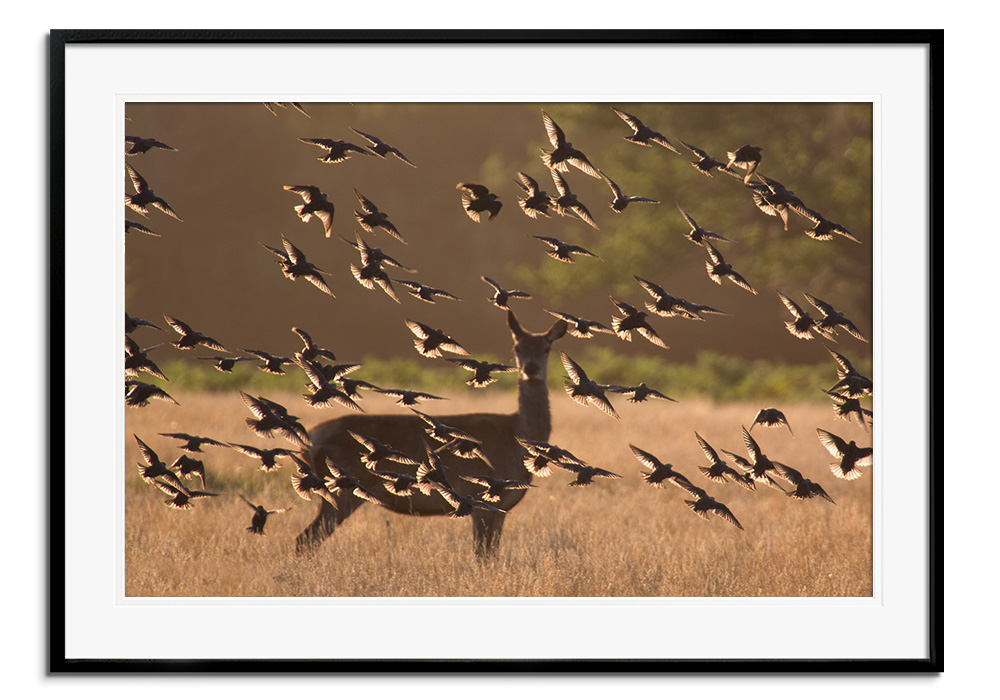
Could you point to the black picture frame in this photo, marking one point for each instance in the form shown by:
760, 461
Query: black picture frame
58, 469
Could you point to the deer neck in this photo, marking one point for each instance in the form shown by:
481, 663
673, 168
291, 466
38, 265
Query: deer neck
534, 421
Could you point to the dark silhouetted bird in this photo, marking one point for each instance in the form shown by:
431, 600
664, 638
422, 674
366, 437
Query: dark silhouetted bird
642, 135
466, 448
464, 505
804, 488
620, 201
771, 417
850, 408
823, 229
537, 201
745, 157
851, 458
851, 382
583, 389
439, 431
833, 319
539, 455
719, 471
138, 394
339, 481
431, 473
563, 153
705, 504
370, 255
314, 203
501, 296
371, 218
311, 350
773, 198
136, 360
324, 371
268, 457
327, 393
135, 145
372, 274
189, 466
260, 514
225, 364
580, 327
180, 498
397, 484
408, 397
640, 393
272, 363
324, 388
337, 151
706, 163
661, 471
421, 291
567, 203
154, 467
193, 443
759, 463
375, 452
131, 323
381, 148
306, 482
481, 371
190, 337
563, 251
697, 234
293, 265
144, 196
351, 387
718, 268
431, 341
478, 200
803, 324
585, 473
270, 416
496, 488
634, 320
668, 305
136, 226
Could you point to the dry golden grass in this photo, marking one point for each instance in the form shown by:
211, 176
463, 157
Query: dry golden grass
614, 538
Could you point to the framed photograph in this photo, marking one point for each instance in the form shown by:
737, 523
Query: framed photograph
496, 351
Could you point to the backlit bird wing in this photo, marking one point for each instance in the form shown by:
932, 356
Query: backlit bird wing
556, 136
574, 370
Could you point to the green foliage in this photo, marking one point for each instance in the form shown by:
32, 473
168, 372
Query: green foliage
202, 376
416, 373
712, 375
821, 151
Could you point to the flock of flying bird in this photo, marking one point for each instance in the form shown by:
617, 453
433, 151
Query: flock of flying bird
330, 384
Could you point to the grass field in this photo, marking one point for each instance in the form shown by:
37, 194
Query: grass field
613, 538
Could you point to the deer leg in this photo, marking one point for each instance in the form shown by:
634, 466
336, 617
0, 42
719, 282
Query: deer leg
486, 529
326, 521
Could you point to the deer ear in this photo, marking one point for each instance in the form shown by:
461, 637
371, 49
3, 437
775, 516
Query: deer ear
557, 331
515, 327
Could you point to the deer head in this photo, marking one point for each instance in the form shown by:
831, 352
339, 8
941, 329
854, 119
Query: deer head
532, 349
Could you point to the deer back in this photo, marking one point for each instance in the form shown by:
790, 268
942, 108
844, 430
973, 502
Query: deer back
406, 434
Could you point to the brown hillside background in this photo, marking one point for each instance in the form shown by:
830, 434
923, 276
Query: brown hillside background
226, 182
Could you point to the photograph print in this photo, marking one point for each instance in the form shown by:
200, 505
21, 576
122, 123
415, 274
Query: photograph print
498, 349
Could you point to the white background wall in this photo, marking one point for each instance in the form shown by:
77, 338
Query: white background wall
971, 378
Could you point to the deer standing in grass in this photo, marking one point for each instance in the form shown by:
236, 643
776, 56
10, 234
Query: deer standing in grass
498, 433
